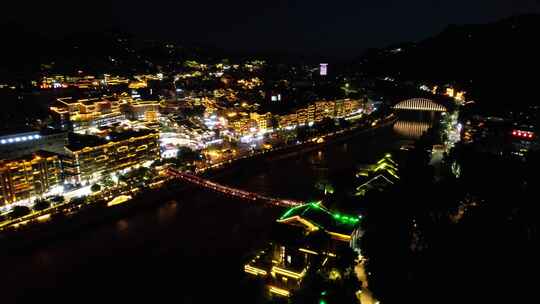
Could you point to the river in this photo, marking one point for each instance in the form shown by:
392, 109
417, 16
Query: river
190, 249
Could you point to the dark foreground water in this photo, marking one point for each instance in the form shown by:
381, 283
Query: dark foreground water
190, 250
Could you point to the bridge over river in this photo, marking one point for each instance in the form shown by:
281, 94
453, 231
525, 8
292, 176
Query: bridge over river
232, 192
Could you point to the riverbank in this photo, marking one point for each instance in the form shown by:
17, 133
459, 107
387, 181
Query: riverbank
299, 149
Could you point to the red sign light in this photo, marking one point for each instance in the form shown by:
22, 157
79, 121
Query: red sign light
523, 134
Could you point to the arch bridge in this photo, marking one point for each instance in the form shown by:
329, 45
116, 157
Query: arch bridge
420, 104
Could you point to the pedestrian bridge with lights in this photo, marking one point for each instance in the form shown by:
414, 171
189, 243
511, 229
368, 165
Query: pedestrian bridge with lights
420, 104
231, 192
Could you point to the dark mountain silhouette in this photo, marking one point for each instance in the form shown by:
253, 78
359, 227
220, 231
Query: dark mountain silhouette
26, 55
496, 63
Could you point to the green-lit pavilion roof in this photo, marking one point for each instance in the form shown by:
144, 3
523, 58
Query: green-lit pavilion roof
323, 218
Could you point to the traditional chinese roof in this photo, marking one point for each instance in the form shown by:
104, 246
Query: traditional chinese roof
315, 216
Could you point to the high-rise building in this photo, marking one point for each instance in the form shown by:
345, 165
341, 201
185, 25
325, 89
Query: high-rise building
28, 176
88, 157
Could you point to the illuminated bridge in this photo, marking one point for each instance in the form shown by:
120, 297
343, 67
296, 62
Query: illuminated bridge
420, 104
229, 191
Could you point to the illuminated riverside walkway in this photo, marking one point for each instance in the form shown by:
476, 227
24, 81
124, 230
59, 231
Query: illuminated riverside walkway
232, 192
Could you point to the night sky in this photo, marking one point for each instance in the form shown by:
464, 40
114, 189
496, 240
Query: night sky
331, 27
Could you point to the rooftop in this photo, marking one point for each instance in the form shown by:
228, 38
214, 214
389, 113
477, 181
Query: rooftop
318, 216
379, 182
29, 157
16, 130
78, 141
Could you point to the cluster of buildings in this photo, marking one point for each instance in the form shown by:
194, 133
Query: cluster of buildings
515, 136
247, 123
318, 111
84, 159
90, 139
242, 123
94, 136
447, 90
81, 82
305, 237
84, 115
93, 82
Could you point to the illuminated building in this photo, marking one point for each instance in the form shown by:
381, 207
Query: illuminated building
347, 107
53, 82
262, 120
85, 113
457, 95
323, 69
460, 96
141, 110
28, 176
305, 237
324, 109
276, 97
310, 113
90, 156
85, 82
81, 82
351, 106
314, 216
80, 115
114, 80
378, 176
288, 121
250, 84
20, 142
151, 116
339, 109
137, 85
318, 111
91, 81
523, 140
240, 123
301, 116
243, 123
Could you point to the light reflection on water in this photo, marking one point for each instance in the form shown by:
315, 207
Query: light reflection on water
411, 124
122, 226
411, 129
167, 212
